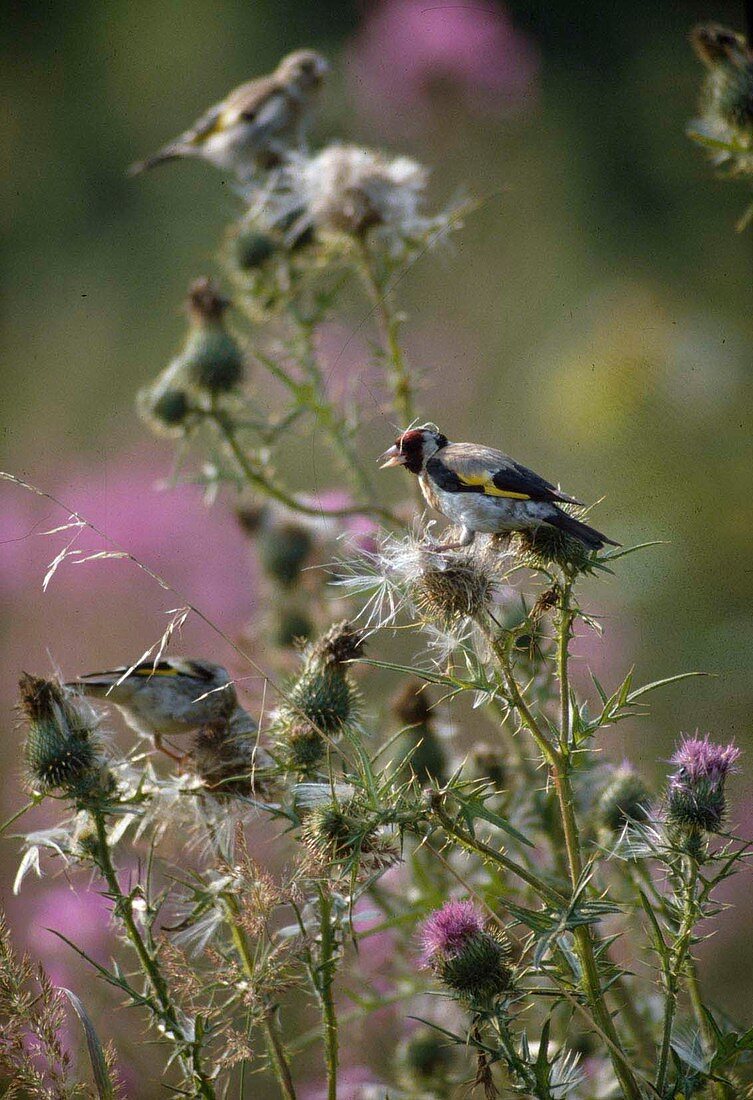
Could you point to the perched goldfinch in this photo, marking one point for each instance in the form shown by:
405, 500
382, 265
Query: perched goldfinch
177, 696
258, 123
483, 490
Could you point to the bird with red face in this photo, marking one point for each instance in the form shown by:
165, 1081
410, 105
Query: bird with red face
482, 490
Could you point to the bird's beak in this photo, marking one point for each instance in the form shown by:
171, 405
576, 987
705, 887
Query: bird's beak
391, 457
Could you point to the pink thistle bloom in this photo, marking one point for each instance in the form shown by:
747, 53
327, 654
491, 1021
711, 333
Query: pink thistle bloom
447, 930
700, 760
406, 46
695, 793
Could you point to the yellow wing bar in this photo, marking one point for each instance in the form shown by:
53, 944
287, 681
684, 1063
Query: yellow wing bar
490, 489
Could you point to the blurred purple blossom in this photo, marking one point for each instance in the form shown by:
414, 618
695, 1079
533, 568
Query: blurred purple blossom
406, 46
447, 930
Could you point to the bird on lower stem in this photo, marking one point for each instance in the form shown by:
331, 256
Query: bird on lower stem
168, 698
483, 490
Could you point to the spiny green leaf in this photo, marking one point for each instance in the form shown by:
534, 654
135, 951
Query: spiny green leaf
476, 808
662, 683
102, 1079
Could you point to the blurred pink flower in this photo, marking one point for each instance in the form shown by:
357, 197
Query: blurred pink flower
82, 915
405, 46
350, 1081
203, 554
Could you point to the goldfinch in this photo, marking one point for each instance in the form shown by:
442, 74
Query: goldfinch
483, 490
176, 696
257, 124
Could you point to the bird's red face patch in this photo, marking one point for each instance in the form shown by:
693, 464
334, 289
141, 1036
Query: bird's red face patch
408, 451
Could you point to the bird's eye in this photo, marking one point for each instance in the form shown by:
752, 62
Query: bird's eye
248, 116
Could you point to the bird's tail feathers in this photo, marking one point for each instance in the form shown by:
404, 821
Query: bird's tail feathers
589, 536
168, 152
97, 686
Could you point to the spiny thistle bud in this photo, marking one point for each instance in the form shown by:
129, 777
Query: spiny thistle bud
166, 408
488, 765
171, 408
283, 546
427, 1059
338, 831
624, 799
252, 248
300, 745
321, 701
467, 957
695, 798
428, 759
324, 695
542, 547
62, 751
211, 358
228, 758
291, 626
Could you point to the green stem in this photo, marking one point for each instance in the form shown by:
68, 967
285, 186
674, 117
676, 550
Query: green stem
558, 764
327, 965
485, 850
564, 628
675, 967
191, 1065
270, 488
722, 1089
275, 1046
402, 391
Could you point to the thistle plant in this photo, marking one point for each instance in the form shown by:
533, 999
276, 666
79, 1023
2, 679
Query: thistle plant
412, 762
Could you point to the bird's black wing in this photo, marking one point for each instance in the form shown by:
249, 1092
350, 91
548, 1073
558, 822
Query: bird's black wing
470, 468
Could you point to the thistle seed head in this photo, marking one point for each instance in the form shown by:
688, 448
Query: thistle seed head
542, 547
448, 589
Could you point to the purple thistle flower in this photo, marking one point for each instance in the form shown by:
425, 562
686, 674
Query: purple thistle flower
701, 760
447, 930
695, 791
467, 957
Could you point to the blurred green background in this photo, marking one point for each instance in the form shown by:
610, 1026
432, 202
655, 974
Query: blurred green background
594, 318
